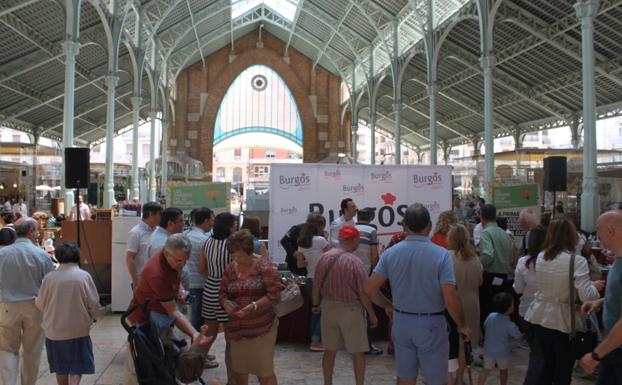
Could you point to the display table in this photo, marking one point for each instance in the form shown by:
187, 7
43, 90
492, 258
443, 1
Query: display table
95, 249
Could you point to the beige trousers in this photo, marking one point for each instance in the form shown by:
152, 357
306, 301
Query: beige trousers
20, 327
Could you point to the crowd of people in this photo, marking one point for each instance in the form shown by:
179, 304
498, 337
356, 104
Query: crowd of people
461, 284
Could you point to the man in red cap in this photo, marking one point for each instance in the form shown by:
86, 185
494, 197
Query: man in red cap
339, 281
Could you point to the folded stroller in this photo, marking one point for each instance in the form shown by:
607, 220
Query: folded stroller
153, 347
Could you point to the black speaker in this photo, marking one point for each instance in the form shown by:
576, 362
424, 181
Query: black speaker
77, 167
555, 173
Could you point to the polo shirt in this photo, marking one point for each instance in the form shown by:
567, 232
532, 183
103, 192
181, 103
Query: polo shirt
22, 268
158, 283
196, 236
138, 243
495, 250
157, 239
367, 239
335, 226
416, 268
613, 295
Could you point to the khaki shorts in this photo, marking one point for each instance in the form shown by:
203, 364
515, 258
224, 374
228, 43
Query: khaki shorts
502, 363
344, 324
255, 355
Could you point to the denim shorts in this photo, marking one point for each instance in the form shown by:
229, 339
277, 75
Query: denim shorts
421, 341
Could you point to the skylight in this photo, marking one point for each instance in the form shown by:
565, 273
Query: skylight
285, 8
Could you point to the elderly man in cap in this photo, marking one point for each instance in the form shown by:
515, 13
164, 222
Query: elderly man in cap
340, 280
22, 267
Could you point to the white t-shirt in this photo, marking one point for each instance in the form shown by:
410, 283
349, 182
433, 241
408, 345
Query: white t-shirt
20, 208
335, 226
313, 253
138, 243
477, 233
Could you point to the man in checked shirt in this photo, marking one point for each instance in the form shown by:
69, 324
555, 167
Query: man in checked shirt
340, 278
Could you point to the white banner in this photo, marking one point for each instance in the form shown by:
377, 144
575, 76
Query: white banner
298, 189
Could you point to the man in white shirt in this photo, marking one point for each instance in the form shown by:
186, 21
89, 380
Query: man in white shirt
85, 212
20, 208
348, 211
138, 240
7, 205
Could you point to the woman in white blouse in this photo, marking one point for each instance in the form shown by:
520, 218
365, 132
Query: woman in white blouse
525, 276
549, 313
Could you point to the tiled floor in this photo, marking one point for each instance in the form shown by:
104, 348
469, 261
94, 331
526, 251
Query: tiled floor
295, 364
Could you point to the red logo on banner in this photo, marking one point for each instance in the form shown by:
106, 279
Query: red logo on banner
388, 198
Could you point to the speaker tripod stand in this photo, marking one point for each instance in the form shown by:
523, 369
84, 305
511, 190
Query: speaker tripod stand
78, 214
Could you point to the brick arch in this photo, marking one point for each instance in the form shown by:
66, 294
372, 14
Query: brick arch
269, 58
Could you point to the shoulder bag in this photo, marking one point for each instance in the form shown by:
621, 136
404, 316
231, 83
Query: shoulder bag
581, 343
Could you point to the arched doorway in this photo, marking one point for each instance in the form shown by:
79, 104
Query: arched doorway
257, 123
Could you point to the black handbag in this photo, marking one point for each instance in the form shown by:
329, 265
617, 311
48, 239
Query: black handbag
581, 343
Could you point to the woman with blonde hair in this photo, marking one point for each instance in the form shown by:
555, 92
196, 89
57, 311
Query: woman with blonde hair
469, 276
446, 219
249, 288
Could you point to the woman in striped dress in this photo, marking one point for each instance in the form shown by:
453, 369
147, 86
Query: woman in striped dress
213, 261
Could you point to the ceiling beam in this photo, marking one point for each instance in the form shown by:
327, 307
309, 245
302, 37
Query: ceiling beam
332, 36
45, 125
102, 127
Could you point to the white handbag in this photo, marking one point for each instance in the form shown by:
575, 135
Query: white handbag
291, 297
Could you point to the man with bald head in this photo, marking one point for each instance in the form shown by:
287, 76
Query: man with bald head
22, 267
608, 354
421, 275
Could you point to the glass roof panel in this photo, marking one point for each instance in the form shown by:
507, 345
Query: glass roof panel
285, 8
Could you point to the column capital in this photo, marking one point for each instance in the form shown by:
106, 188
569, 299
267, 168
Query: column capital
136, 101
586, 9
71, 48
111, 81
488, 62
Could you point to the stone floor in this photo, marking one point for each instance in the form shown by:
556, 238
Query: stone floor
295, 364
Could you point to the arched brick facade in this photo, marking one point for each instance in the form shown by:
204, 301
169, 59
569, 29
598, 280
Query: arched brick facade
200, 91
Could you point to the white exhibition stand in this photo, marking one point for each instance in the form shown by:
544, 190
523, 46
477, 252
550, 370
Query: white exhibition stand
120, 279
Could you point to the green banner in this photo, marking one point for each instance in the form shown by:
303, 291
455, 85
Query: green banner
525, 195
210, 195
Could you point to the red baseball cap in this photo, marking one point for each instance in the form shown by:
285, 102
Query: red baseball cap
348, 232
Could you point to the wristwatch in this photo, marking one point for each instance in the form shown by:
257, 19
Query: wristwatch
595, 356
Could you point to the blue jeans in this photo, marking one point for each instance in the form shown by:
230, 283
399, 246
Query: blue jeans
195, 308
315, 331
